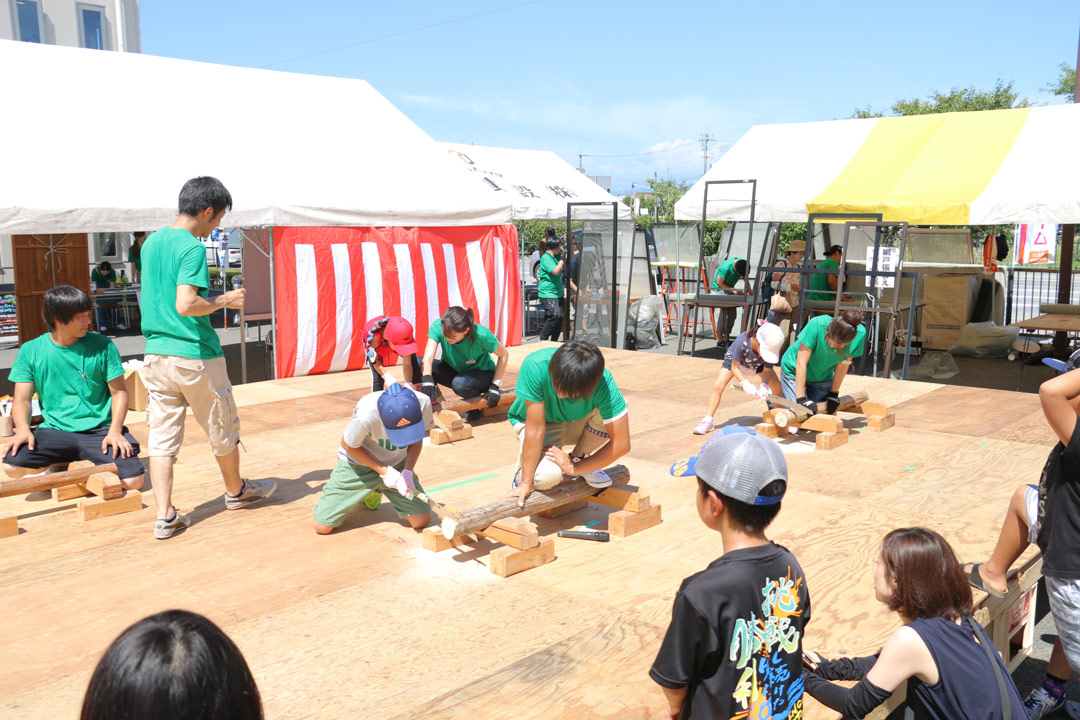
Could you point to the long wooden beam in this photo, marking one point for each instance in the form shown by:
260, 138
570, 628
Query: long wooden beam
459, 406
567, 491
25, 485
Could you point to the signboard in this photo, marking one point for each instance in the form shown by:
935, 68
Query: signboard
887, 260
1036, 244
9, 321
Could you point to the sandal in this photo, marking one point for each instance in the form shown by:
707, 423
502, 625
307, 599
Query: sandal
976, 581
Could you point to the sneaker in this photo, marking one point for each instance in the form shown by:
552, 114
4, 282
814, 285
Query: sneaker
704, 427
597, 479
121, 326
164, 529
1041, 703
1072, 709
372, 500
517, 476
103, 328
253, 491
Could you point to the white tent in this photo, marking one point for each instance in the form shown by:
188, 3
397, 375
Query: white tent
990, 167
103, 141
538, 183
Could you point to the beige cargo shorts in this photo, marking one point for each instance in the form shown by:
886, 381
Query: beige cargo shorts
175, 383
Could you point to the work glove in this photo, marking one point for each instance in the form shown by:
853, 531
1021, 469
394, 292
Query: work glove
429, 388
808, 404
410, 482
832, 401
394, 479
493, 395
749, 388
763, 391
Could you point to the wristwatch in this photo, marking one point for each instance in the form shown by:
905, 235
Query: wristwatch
497, 383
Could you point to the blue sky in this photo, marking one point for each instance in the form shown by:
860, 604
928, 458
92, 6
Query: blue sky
641, 81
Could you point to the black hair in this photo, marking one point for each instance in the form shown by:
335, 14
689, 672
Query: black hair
105, 266
749, 518
552, 242
576, 368
549, 232
844, 326
201, 193
62, 304
175, 665
740, 267
460, 320
833, 249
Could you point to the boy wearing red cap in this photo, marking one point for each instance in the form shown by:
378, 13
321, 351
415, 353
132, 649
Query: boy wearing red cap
385, 338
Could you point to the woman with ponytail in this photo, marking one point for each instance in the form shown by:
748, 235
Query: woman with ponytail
466, 365
815, 365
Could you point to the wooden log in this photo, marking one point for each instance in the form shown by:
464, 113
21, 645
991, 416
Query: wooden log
459, 406
434, 540
565, 492
25, 485
783, 417
846, 401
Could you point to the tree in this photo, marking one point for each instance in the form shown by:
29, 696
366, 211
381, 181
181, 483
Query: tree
665, 193
1065, 86
957, 99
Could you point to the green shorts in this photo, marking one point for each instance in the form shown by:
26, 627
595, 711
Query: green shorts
349, 484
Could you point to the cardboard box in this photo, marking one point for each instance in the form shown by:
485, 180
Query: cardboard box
949, 300
136, 390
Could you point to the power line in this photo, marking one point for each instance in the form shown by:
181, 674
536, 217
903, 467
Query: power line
403, 32
705, 139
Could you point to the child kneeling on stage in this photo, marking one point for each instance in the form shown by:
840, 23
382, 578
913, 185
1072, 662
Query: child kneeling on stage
380, 448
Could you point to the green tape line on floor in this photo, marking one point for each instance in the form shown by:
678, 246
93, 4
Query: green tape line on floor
463, 482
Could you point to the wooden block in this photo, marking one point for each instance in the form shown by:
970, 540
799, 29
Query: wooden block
69, 492
871, 408
9, 525
831, 440
97, 507
626, 497
517, 533
625, 523
769, 416
507, 561
563, 509
448, 420
436, 542
105, 485
440, 437
767, 429
823, 423
881, 423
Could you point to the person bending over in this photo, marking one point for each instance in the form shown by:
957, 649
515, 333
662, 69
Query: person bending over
754, 352
466, 365
814, 367
387, 337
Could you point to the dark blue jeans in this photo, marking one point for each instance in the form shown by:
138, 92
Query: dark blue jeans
552, 319
467, 384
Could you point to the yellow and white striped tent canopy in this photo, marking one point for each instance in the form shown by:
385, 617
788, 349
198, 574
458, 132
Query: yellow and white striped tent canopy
990, 167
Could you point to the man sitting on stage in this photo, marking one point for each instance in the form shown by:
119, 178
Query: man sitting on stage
84, 400
565, 396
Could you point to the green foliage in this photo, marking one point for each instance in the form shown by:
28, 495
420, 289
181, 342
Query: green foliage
789, 232
714, 232
1065, 85
215, 273
665, 193
1000, 97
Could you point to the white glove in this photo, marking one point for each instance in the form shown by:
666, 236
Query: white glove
750, 388
410, 482
389, 379
764, 392
394, 479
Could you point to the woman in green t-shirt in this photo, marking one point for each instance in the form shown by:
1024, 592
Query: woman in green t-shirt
466, 365
104, 277
814, 367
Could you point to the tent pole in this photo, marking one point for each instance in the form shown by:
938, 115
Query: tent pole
1065, 260
273, 303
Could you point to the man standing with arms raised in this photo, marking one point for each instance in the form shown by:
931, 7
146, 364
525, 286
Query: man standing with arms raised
185, 365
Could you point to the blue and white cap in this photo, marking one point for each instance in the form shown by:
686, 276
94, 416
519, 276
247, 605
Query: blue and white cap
401, 415
738, 464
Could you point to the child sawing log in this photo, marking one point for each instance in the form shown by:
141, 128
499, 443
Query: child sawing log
539, 500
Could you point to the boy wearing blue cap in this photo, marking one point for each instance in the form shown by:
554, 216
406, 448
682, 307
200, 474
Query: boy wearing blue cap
734, 646
380, 447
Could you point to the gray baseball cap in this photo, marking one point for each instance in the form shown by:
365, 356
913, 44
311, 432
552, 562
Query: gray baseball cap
739, 465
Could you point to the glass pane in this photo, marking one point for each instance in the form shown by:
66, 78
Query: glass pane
92, 23
29, 28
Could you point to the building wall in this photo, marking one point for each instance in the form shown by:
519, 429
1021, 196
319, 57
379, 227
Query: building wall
60, 23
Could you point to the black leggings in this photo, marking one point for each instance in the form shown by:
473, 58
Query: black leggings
467, 384
377, 382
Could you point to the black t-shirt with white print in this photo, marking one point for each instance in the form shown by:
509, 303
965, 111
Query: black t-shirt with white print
1059, 510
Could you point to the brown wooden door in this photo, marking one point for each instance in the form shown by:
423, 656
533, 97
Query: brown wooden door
43, 262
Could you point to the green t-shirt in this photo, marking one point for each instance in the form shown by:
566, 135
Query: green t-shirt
823, 358
173, 257
534, 384
820, 282
474, 354
549, 286
133, 258
96, 276
726, 272
72, 382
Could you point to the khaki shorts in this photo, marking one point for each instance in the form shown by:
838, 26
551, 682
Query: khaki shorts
562, 434
173, 383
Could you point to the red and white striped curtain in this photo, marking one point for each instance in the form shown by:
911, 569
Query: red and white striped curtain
330, 281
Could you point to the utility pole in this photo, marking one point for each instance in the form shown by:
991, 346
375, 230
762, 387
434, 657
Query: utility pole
705, 139
579, 156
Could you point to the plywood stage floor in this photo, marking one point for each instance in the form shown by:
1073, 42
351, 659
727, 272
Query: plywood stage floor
365, 623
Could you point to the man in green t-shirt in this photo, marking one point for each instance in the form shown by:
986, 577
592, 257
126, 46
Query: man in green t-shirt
549, 289
184, 362
80, 385
728, 274
823, 285
565, 396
